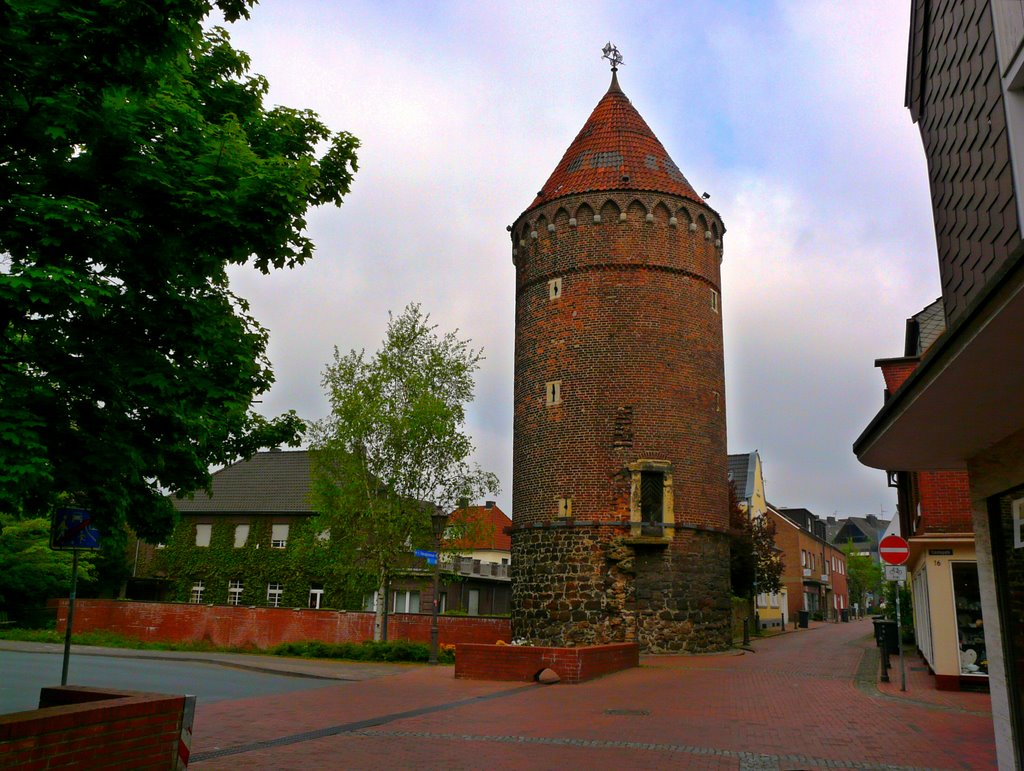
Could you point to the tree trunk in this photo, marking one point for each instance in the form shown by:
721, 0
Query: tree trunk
380, 616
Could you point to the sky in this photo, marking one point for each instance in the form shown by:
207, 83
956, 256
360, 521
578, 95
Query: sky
790, 114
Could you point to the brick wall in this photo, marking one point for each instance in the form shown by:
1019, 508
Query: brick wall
634, 337
229, 625
524, 663
896, 372
945, 502
78, 727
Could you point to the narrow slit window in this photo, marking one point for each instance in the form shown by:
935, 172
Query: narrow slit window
565, 507
652, 490
553, 392
554, 288
714, 301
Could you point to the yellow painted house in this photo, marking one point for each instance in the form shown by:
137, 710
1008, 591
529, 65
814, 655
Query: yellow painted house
745, 475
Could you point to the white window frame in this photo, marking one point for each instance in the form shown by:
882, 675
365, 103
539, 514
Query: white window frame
279, 536
198, 587
403, 601
235, 589
241, 535
316, 597
204, 531
275, 591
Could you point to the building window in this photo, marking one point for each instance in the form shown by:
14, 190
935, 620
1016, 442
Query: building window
554, 288
473, 607
241, 535
651, 507
197, 592
370, 602
714, 301
234, 592
203, 535
774, 598
274, 592
278, 536
316, 596
442, 602
406, 601
565, 507
553, 392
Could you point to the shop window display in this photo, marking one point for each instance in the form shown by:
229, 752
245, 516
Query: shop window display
969, 622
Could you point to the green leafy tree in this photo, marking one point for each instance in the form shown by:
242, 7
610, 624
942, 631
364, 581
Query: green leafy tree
30, 571
755, 563
863, 576
138, 163
393, 449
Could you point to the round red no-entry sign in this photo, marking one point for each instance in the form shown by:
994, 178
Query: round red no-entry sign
894, 550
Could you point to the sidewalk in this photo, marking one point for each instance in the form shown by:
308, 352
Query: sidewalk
799, 701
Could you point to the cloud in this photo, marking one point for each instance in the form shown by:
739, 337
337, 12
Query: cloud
790, 114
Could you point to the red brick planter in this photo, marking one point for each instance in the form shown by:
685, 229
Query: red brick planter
523, 662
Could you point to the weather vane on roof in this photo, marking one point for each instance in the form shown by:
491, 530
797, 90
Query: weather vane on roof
611, 53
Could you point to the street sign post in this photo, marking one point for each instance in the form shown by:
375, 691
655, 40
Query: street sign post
895, 551
72, 529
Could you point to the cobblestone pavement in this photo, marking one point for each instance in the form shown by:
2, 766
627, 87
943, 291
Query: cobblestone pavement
801, 700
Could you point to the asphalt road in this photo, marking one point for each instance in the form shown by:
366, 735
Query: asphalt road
22, 674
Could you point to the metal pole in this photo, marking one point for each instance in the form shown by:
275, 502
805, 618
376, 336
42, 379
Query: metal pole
71, 617
437, 589
899, 640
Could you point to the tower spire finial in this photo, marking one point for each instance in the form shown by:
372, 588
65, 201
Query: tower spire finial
611, 53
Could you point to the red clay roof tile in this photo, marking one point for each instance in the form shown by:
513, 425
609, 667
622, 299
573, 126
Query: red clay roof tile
615, 150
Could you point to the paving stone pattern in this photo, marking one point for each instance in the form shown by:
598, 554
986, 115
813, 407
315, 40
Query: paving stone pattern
803, 700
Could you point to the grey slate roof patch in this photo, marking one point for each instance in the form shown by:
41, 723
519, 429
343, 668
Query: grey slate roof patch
276, 481
741, 473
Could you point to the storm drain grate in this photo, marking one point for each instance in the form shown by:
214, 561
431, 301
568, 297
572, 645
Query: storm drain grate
632, 712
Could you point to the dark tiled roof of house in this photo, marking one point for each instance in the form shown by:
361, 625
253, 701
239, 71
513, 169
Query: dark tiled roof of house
872, 529
931, 324
615, 150
491, 533
741, 473
275, 481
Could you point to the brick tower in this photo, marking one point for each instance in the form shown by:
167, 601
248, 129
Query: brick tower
619, 484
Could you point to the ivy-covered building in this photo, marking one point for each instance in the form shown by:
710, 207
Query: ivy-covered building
249, 542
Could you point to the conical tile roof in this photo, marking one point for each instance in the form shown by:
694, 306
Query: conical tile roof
615, 150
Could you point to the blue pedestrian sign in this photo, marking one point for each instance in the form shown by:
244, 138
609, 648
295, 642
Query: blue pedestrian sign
72, 529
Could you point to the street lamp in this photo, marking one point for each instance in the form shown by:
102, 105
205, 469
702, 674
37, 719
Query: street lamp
438, 521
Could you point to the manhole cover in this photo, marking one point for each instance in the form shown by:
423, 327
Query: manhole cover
626, 712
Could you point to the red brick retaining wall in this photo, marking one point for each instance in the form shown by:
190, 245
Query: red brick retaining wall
230, 625
93, 728
524, 663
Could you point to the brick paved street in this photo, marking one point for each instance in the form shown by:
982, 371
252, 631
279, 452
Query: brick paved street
803, 700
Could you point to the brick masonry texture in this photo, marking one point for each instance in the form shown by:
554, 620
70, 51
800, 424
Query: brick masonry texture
524, 663
91, 728
262, 628
634, 337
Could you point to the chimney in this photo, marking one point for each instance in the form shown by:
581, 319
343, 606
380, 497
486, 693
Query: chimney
872, 519
488, 504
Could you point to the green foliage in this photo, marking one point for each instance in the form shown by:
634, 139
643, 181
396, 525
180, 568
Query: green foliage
399, 650
754, 563
106, 639
863, 576
139, 162
256, 564
30, 571
393, 449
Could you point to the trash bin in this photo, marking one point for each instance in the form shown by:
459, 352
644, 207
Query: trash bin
805, 619
887, 635
844, 614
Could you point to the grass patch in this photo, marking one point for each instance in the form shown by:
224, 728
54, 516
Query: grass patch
392, 651
107, 639
399, 650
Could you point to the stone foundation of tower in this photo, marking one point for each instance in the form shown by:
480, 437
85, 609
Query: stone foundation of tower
581, 584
